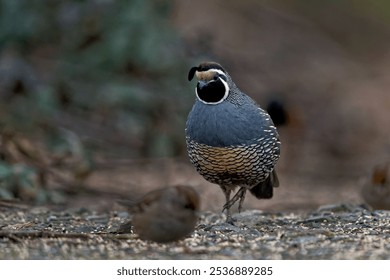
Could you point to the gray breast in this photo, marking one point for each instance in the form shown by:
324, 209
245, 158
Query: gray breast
227, 123
232, 144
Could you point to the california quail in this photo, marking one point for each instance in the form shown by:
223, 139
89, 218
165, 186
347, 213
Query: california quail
166, 214
231, 141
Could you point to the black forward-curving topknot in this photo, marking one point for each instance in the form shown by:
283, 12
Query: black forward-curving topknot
192, 73
204, 66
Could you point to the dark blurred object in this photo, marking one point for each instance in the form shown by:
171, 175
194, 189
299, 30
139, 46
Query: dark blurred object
165, 215
278, 112
376, 191
17, 77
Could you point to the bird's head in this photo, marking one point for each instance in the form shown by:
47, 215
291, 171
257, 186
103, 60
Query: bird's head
213, 82
187, 197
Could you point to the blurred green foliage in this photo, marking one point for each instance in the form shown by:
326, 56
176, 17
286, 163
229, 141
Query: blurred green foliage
109, 73
16, 178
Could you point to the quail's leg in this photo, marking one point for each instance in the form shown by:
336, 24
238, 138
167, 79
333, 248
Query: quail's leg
227, 193
240, 195
241, 202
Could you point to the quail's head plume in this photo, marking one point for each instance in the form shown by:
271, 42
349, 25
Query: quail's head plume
231, 141
165, 215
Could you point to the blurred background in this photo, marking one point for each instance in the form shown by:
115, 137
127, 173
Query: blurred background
94, 95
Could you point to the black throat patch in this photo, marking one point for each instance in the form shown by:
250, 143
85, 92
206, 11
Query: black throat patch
213, 92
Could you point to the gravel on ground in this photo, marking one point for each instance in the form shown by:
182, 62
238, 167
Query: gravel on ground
339, 231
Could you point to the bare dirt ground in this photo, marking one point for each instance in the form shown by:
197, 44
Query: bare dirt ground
332, 232
292, 225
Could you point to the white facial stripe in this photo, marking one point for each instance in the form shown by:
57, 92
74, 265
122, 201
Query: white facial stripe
217, 71
226, 89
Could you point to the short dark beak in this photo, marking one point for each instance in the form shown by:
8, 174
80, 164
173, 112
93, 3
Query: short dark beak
201, 84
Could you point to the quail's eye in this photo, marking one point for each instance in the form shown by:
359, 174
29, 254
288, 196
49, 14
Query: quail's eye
222, 77
216, 77
189, 205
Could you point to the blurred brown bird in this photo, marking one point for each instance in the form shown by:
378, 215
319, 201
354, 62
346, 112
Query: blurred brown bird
165, 215
376, 191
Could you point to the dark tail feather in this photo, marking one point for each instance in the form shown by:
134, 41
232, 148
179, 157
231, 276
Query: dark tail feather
265, 188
